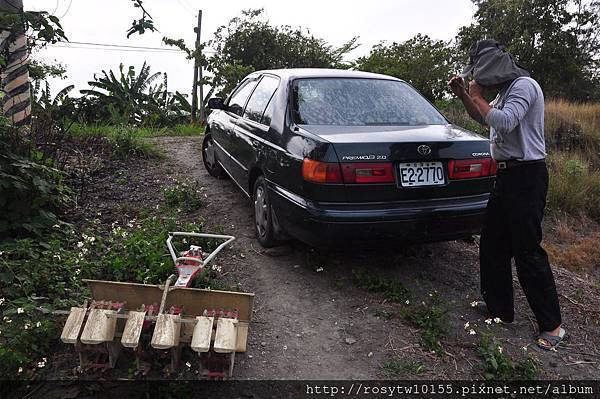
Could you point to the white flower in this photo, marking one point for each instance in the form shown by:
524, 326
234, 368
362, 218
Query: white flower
473, 304
488, 321
500, 349
38, 324
80, 244
430, 294
20, 370
524, 348
1, 253
41, 364
188, 364
77, 271
85, 237
467, 325
472, 332
20, 310
92, 239
84, 251
124, 235
497, 320
2, 301
130, 224
56, 226
407, 302
27, 326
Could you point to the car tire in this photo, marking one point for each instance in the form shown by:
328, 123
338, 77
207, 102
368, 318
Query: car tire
209, 158
263, 218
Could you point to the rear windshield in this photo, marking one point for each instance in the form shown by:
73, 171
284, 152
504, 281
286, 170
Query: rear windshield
361, 102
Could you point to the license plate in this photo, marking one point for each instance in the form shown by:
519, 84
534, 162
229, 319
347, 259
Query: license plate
414, 174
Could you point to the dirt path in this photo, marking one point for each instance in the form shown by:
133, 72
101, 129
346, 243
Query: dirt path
311, 324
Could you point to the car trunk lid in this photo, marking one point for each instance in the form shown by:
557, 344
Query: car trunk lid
406, 147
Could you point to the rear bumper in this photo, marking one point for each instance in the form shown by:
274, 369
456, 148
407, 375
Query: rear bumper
322, 223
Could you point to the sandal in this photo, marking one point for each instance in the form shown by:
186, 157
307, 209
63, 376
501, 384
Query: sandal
550, 342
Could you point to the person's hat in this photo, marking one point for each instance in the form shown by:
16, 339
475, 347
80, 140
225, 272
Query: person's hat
490, 64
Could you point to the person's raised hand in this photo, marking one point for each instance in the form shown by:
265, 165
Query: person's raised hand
475, 90
457, 85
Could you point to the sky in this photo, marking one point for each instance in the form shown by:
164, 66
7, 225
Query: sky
336, 21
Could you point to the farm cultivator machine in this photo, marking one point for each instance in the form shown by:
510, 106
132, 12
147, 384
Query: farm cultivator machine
155, 322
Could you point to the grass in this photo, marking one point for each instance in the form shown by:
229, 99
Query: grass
402, 367
394, 291
497, 365
578, 255
573, 127
80, 130
184, 195
574, 184
432, 321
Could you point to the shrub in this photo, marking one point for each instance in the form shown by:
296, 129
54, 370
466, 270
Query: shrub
47, 273
30, 192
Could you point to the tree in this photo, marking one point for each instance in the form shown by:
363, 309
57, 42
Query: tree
556, 40
249, 43
423, 62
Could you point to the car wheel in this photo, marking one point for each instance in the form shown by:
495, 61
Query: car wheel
263, 222
209, 157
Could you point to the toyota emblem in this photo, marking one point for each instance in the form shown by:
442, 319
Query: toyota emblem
424, 149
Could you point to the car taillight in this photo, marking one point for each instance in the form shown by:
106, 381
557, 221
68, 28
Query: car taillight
367, 173
321, 172
471, 168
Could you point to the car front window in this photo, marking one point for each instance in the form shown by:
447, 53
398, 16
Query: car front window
361, 102
239, 97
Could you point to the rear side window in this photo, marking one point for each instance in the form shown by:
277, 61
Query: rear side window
239, 97
260, 98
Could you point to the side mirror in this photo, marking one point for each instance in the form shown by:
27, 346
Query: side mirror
216, 103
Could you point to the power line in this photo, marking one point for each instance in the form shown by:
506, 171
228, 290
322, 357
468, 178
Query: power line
66, 12
113, 49
117, 47
125, 46
55, 8
186, 8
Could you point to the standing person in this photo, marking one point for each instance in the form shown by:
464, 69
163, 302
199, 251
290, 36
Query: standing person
512, 228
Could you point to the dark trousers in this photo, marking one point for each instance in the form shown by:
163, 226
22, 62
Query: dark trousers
512, 229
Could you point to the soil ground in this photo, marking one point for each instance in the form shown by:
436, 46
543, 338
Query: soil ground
313, 321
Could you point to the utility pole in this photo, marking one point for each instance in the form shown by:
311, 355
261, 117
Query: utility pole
198, 77
15, 75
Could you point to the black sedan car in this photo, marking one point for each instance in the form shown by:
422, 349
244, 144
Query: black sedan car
334, 156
